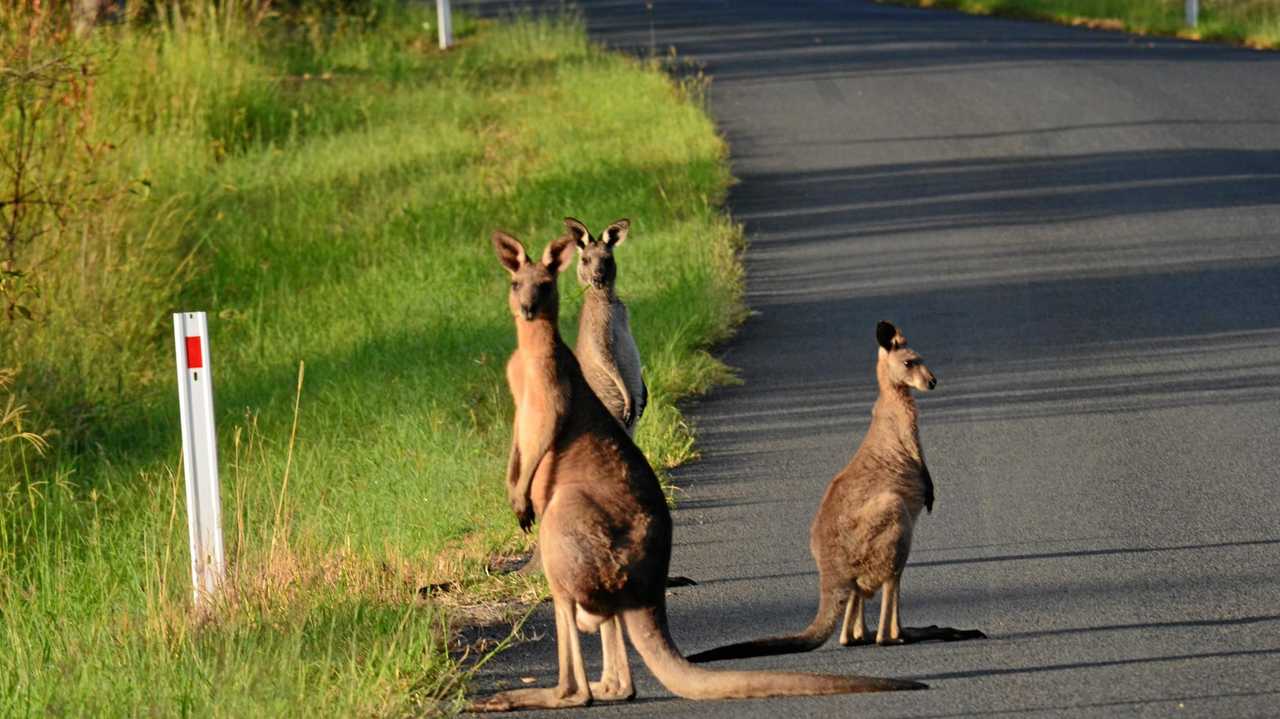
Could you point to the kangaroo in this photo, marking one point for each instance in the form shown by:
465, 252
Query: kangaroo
606, 350
862, 534
605, 530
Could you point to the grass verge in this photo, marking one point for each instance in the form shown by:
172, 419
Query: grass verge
1253, 23
326, 190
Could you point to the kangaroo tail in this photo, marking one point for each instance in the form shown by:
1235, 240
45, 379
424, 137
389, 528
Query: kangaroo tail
649, 634
829, 605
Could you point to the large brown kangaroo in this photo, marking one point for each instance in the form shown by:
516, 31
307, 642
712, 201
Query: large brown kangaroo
606, 350
862, 534
605, 531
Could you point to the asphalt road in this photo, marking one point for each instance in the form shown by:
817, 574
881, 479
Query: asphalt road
1080, 231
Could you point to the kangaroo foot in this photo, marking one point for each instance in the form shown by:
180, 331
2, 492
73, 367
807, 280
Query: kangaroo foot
531, 567
612, 692
548, 698
931, 633
857, 641
680, 582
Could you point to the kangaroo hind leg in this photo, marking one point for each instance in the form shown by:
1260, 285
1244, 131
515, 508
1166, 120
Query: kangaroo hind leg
572, 689
615, 680
855, 615
888, 632
913, 635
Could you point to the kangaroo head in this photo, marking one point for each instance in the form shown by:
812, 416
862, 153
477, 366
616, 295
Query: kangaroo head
596, 266
533, 284
900, 365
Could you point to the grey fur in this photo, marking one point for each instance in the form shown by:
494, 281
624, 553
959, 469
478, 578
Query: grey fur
606, 349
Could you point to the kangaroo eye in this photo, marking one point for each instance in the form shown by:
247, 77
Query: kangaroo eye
515, 285
909, 363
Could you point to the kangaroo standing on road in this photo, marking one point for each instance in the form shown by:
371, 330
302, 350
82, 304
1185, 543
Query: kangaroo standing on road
862, 534
605, 531
606, 350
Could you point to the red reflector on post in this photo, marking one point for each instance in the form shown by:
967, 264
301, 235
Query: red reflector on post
194, 358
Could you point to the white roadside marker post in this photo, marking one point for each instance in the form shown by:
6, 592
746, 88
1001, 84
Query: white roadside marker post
199, 452
1192, 12
444, 18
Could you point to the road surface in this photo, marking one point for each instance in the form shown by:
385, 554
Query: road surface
1080, 231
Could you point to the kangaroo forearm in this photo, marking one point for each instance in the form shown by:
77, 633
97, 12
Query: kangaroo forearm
524, 482
628, 402
537, 431
513, 464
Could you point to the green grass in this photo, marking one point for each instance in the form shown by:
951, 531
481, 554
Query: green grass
1255, 23
327, 195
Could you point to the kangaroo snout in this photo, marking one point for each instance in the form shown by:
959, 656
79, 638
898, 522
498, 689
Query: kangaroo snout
526, 311
925, 381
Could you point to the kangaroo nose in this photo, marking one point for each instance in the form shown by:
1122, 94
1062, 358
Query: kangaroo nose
527, 312
933, 382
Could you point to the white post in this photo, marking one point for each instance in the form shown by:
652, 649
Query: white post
199, 451
1193, 12
444, 18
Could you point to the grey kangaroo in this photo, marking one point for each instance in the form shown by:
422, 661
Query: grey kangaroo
862, 534
606, 350
605, 530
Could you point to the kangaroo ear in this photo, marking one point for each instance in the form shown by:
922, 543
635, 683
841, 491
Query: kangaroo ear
578, 232
886, 333
510, 252
616, 233
559, 254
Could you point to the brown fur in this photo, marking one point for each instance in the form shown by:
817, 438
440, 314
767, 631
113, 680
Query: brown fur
606, 350
861, 535
605, 529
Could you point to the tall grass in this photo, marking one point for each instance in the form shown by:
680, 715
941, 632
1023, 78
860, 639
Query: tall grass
326, 188
1255, 23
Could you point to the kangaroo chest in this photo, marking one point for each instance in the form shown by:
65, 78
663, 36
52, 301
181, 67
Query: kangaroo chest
608, 355
889, 460
542, 403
